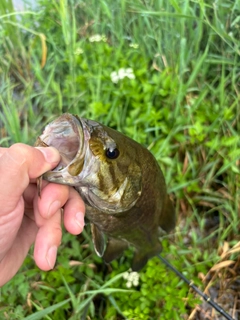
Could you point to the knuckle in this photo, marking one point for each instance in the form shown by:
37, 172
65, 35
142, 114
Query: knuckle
57, 230
17, 153
18, 148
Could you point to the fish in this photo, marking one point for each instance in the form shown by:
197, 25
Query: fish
120, 182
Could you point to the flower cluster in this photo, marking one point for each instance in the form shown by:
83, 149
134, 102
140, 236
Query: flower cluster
122, 73
134, 45
132, 278
78, 51
98, 38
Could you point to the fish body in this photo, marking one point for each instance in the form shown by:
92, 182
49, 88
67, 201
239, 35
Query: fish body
120, 182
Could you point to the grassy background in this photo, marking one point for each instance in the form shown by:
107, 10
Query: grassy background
183, 105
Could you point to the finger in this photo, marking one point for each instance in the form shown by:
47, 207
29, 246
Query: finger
17, 165
18, 251
47, 241
74, 211
53, 197
2, 150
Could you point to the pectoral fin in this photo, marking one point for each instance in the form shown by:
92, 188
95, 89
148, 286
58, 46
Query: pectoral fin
114, 249
98, 239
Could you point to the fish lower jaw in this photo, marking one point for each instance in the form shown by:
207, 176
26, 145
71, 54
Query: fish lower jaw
61, 177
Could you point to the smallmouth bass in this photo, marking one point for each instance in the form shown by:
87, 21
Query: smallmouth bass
120, 182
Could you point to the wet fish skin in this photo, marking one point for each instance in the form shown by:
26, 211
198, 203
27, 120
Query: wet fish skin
125, 194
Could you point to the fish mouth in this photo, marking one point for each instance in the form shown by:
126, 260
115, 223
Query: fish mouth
66, 134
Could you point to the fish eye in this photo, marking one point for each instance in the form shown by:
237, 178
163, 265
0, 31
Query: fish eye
112, 153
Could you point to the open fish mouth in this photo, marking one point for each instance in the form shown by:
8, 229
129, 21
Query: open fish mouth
67, 134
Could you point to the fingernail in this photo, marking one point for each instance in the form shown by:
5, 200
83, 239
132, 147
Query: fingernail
54, 206
51, 154
79, 219
51, 256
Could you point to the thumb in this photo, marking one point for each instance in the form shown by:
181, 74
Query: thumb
19, 164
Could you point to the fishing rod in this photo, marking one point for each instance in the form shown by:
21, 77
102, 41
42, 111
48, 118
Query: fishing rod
196, 289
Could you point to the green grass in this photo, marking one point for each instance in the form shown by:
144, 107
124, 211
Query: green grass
183, 104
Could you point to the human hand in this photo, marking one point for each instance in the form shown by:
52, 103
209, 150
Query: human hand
24, 217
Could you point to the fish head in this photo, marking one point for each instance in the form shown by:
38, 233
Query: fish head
101, 163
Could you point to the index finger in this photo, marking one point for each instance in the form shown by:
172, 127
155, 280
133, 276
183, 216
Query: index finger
19, 164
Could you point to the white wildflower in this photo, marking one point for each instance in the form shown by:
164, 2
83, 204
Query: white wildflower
104, 38
129, 73
135, 281
134, 45
121, 74
98, 38
114, 77
95, 38
132, 278
78, 51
